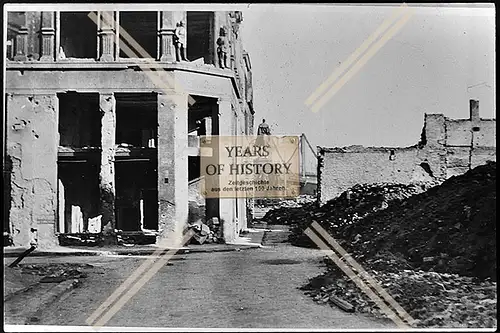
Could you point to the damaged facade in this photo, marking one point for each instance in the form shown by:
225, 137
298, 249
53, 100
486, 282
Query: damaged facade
95, 138
448, 147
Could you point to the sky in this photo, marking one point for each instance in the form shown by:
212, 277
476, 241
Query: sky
438, 60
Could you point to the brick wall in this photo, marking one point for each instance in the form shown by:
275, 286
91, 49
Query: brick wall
448, 147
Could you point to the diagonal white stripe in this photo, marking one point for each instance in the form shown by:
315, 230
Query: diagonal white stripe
369, 41
362, 61
380, 303
371, 281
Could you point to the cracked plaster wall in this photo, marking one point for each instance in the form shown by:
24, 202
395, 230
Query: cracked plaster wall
32, 140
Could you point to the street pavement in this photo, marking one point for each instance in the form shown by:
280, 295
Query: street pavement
254, 288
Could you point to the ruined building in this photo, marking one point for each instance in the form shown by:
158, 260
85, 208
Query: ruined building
448, 147
103, 120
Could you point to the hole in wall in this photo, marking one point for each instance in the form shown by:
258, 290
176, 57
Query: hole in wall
426, 168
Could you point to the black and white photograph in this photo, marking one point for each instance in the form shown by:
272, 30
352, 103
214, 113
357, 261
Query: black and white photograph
249, 167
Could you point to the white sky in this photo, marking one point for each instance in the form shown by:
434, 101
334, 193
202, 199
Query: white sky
426, 67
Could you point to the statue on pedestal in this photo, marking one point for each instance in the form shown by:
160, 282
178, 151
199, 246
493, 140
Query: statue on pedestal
222, 48
180, 42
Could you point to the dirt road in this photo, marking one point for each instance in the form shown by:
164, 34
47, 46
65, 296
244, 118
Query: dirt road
246, 289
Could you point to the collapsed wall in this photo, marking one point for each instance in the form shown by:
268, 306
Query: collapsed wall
448, 147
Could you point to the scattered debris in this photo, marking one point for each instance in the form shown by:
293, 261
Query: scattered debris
432, 247
55, 273
202, 231
433, 299
52, 279
97, 239
346, 306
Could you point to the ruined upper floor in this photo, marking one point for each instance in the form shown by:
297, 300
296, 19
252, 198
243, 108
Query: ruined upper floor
86, 39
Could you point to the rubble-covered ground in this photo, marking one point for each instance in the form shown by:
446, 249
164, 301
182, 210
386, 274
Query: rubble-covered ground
25, 276
432, 247
57, 270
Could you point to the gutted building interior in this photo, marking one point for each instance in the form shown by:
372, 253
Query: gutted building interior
136, 194
199, 37
78, 192
143, 28
136, 177
79, 120
78, 160
75, 29
115, 148
136, 119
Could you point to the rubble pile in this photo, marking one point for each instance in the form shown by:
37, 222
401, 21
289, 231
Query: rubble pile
451, 228
432, 248
211, 232
350, 207
277, 203
98, 239
63, 271
432, 299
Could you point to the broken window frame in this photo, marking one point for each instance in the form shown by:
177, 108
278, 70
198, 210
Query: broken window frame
57, 39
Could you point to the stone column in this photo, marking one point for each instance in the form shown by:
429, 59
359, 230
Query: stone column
21, 42
166, 32
48, 36
107, 106
172, 167
106, 36
226, 205
212, 204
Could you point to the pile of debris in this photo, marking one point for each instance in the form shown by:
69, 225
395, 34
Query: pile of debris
81, 239
277, 203
211, 232
432, 247
350, 207
451, 228
57, 272
124, 238
432, 299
